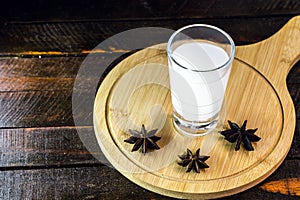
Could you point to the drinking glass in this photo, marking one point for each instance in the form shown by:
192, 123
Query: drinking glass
200, 58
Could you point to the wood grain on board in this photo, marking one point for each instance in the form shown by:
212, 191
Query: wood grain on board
256, 91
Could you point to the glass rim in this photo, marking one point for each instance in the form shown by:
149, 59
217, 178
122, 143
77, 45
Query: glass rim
227, 36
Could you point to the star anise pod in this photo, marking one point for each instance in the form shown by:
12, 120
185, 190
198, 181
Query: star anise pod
144, 139
240, 135
193, 161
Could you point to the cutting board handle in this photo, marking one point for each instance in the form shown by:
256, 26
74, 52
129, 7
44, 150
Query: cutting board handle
289, 36
275, 56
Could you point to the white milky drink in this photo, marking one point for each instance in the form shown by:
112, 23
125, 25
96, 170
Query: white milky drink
198, 80
200, 58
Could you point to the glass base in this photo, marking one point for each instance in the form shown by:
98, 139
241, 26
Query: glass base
192, 128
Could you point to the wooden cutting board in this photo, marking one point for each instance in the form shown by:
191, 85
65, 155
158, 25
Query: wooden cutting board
137, 92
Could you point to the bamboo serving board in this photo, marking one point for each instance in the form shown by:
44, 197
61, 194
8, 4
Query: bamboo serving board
137, 92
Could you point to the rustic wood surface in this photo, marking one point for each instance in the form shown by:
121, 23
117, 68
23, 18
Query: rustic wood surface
42, 46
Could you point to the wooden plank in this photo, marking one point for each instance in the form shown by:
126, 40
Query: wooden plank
46, 147
294, 90
59, 67
36, 108
59, 73
294, 74
294, 152
40, 74
107, 183
45, 109
293, 85
55, 73
73, 38
145, 9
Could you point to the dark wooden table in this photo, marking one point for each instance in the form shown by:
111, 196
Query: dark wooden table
42, 46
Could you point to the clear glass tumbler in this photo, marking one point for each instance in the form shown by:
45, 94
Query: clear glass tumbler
200, 58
